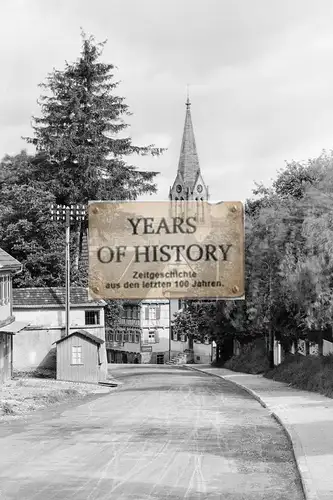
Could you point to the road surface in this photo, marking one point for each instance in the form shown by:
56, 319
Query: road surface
166, 433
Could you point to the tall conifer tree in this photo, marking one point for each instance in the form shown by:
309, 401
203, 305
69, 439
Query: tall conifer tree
77, 136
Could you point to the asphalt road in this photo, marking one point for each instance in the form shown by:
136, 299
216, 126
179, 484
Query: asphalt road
166, 433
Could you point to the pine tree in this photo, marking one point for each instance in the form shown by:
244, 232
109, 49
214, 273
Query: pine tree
81, 155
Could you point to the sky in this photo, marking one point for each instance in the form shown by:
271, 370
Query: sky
260, 74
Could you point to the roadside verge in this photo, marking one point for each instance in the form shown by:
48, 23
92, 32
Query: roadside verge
280, 413
21, 397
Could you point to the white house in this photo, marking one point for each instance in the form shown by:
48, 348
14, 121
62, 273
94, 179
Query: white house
159, 344
8, 325
44, 310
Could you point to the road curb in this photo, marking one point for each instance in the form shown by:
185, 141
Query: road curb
296, 445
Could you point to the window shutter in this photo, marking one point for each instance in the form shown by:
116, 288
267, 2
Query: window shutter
158, 312
157, 336
147, 312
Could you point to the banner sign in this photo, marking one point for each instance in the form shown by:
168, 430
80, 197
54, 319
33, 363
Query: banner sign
156, 250
146, 348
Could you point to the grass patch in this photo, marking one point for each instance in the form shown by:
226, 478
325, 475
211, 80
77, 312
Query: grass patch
310, 373
21, 396
37, 373
252, 360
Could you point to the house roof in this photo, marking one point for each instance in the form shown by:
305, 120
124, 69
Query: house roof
8, 262
52, 297
82, 333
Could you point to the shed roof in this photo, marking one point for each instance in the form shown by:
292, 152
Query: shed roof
82, 333
52, 296
8, 262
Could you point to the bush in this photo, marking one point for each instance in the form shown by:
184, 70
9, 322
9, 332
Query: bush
310, 373
252, 360
37, 373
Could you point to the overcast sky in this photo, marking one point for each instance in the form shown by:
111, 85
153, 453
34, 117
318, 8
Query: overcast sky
260, 75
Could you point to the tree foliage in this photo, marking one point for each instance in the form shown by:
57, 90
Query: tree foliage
78, 134
82, 154
289, 263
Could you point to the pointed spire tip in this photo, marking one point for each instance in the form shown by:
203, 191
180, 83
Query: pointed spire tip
188, 96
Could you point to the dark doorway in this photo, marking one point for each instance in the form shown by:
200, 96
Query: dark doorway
227, 349
160, 359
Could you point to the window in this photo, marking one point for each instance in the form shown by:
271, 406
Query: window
137, 338
128, 313
109, 337
153, 311
125, 337
77, 355
151, 337
92, 318
4, 290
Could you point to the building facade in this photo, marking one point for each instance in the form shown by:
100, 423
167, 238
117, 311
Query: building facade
8, 324
43, 309
124, 340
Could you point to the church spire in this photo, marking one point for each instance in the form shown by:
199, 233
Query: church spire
188, 165
188, 184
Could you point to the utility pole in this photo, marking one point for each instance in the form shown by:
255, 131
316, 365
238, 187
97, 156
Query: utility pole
68, 213
170, 328
271, 333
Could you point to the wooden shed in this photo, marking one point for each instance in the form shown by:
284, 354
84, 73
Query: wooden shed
78, 358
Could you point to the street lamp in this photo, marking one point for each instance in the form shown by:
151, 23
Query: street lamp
68, 213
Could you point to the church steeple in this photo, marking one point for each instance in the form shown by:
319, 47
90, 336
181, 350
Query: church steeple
188, 165
189, 184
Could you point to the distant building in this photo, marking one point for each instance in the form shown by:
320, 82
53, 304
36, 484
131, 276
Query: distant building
159, 343
8, 325
44, 309
123, 342
155, 331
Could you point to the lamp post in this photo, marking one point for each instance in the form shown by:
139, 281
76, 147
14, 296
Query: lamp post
68, 213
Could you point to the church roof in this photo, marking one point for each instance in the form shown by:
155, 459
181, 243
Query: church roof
188, 165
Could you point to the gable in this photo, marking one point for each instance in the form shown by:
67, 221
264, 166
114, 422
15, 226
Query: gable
8, 262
